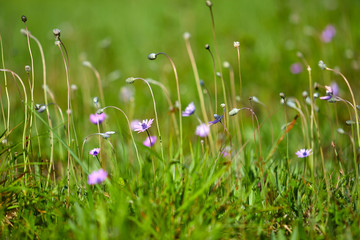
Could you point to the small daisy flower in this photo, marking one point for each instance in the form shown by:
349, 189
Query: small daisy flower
94, 152
202, 130
143, 126
189, 110
149, 143
97, 118
97, 177
303, 153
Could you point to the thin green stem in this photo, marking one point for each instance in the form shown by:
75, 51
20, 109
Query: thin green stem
156, 116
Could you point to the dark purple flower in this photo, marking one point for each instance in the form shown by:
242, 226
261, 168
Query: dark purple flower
94, 151
189, 110
97, 118
303, 153
296, 68
149, 143
328, 33
202, 130
97, 177
143, 126
217, 118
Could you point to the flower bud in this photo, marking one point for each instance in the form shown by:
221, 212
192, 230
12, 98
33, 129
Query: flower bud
152, 56
209, 3
236, 44
186, 35
130, 80
234, 111
322, 65
56, 33
27, 68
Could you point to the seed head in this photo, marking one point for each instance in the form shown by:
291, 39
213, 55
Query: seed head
226, 64
186, 35
236, 44
282, 95
209, 3
305, 94
27, 68
222, 105
207, 46
23, 18
56, 33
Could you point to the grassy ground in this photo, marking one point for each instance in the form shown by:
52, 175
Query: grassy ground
243, 180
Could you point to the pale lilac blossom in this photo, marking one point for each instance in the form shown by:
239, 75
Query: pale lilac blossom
94, 152
328, 34
97, 118
149, 142
97, 177
189, 110
202, 130
303, 153
143, 126
296, 68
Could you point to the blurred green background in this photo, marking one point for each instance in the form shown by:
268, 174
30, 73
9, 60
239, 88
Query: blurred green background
118, 35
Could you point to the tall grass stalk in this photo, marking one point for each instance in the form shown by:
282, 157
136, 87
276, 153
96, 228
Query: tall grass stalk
179, 101
27, 33
24, 140
59, 44
197, 81
131, 134
131, 80
209, 4
356, 117
167, 96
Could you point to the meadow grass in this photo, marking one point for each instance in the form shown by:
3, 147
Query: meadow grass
260, 146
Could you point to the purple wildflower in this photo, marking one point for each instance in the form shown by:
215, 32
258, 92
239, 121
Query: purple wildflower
217, 118
335, 89
296, 68
94, 152
150, 141
143, 126
303, 153
202, 130
97, 177
134, 123
328, 33
97, 118
189, 110
331, 91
